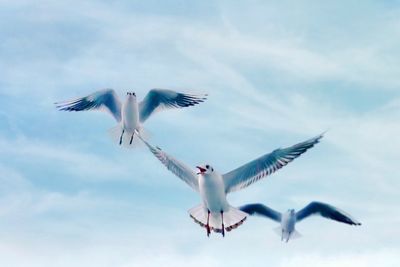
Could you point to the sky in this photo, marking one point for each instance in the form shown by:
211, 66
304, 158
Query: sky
277, 73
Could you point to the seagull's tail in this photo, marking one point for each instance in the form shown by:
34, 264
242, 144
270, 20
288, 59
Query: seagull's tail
295, 235
127, 139
233, 218
286, 236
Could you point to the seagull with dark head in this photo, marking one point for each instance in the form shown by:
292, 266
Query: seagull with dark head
289, 218
131, 114
215, 213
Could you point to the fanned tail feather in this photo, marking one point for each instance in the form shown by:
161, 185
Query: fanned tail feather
115, 135
295, 235
233, 218
278, 230
284, 236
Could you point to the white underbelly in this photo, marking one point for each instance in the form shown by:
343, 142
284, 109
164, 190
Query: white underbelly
288, 224
130, 117
214, 196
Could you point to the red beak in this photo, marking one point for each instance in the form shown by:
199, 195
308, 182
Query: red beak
202, 170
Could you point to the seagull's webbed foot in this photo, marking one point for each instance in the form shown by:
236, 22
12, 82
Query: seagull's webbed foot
208, 223
122, 134
287, 239
223, 226
132, 138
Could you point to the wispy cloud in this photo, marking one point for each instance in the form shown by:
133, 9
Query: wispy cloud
276, 73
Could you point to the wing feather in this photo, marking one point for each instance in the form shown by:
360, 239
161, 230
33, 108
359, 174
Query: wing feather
157, 99
261, 210
265, 165
106, 98
327, 211
176, 167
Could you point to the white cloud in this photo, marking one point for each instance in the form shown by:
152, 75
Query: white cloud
77, 162
356, 170
19, 197
387, 258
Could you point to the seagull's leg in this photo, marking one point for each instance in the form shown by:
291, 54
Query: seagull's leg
223, 226
282, 235
132, 138
122, 134
208, 223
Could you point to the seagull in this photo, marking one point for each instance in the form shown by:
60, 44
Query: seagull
289, 219
215, 213
131, 114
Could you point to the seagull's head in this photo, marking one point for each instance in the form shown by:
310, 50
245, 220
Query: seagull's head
131, 94
291, 211
205, 169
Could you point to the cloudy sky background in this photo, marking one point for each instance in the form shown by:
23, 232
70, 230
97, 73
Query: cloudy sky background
277, 72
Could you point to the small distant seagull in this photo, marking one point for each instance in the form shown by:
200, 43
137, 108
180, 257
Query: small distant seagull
288, 219
130, 115
215, 213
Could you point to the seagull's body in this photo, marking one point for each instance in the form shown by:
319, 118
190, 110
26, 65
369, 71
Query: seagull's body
215, 213
130, 114
289, 218
211, 212
288, 223
212, 191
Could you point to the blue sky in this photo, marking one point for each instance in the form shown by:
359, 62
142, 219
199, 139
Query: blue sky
277, 72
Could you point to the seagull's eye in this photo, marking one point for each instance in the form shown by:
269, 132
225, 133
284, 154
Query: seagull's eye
207, 166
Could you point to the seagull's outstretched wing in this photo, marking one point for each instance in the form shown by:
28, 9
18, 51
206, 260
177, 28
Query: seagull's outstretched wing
265, 165
326, 211
178, 168
104, 99
157, 99
262, 210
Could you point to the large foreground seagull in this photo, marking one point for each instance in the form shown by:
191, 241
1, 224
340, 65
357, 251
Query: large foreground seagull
131, 114
215, 213
290, 217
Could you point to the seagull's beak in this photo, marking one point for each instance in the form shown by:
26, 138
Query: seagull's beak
202, 170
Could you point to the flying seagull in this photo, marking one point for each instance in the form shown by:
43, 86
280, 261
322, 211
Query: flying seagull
290, 217
131, 114
215, 213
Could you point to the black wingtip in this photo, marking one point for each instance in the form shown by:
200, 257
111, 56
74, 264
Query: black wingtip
60, 108
318, 138
58, 105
